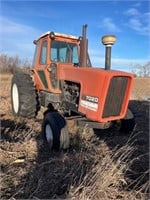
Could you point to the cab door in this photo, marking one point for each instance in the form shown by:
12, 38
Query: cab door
44, 69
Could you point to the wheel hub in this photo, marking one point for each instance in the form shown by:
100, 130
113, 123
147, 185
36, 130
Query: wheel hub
15, 98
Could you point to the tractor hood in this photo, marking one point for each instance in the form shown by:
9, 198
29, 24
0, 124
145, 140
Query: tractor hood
100, 88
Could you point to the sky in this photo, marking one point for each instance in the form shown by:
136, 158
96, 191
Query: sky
23, 21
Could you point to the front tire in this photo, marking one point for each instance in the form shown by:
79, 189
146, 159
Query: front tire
55, 131
23, 96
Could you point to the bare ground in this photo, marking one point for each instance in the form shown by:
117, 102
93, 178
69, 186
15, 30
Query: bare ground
104, 165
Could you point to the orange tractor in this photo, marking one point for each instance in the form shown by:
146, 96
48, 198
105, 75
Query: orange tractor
64, 81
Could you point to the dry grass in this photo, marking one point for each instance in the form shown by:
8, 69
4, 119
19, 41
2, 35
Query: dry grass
103, 166
107, 179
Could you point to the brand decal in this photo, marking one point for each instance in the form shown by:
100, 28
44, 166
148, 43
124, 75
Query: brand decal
89, 102
91, 99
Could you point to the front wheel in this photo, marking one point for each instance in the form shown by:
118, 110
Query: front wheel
55, 131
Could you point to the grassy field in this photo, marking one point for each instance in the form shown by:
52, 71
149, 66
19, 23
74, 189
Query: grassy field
101, 166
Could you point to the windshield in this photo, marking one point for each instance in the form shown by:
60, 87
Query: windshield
64, 52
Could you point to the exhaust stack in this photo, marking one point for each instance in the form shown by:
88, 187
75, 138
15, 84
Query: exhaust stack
83, 47
108, 41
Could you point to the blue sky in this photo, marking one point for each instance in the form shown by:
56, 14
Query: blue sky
23, 21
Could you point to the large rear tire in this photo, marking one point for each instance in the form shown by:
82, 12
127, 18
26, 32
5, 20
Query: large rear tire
55, 131
128, 123
23, 97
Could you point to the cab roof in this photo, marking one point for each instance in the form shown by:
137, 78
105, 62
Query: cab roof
58, 34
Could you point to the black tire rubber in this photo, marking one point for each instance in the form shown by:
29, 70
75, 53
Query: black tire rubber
27, 98
59, 130
64, 138
127, 125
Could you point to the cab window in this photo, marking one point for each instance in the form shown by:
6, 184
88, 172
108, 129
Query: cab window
35, 55
43, 53
64, 52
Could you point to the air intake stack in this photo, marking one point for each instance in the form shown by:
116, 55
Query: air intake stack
108, 41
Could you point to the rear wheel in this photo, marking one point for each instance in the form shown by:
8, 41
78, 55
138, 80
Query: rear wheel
23, 97
55, 131
128, 123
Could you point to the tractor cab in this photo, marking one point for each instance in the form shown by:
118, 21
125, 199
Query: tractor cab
53, 51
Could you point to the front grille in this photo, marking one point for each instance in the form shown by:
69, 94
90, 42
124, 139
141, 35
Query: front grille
115, 96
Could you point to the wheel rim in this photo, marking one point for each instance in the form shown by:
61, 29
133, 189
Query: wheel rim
15, 98
49, 134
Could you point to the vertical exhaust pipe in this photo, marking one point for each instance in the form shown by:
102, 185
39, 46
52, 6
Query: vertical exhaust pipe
83, 48
108, 41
